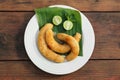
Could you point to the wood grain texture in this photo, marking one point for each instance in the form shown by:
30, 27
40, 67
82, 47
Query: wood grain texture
107, 34
12, 27
82, 5
93, 70
13, 24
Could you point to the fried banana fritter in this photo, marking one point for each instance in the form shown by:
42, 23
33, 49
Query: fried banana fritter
72, 43
42, 46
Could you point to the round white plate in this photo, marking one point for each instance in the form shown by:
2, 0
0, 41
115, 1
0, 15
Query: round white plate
30, 39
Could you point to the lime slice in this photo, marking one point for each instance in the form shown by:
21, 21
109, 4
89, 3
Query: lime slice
67, 25
57, 20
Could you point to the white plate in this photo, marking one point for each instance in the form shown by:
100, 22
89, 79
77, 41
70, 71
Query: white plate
30, 39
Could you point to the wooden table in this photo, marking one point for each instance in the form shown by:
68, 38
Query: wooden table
104, 63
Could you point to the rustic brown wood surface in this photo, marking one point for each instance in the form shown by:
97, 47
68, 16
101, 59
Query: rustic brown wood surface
82, 5
104, 64
93, 70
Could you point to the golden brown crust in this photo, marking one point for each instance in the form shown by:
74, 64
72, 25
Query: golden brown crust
72, 43
54, 45
57, 47
42, 46
77, 36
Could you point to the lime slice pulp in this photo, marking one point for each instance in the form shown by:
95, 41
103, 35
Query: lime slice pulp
57, 20
68, 25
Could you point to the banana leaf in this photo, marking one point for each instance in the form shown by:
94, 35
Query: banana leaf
45, 15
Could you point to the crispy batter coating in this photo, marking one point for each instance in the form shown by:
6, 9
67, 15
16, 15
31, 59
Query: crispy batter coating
57, 47
42, 46
77, 36
54, 45
72, 43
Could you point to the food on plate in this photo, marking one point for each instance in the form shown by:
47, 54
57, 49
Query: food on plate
42, 46
54, 45
72, 43
71, 20
46, 39
64, 41
57, 47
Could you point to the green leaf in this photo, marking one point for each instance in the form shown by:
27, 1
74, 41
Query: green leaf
45, 15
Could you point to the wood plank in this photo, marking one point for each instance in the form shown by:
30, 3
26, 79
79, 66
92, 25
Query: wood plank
12, 27
82, 5
107, 34
93, 70
13, 24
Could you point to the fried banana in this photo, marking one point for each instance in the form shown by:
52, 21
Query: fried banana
42, 46
54, 45
57, 47
72, 43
